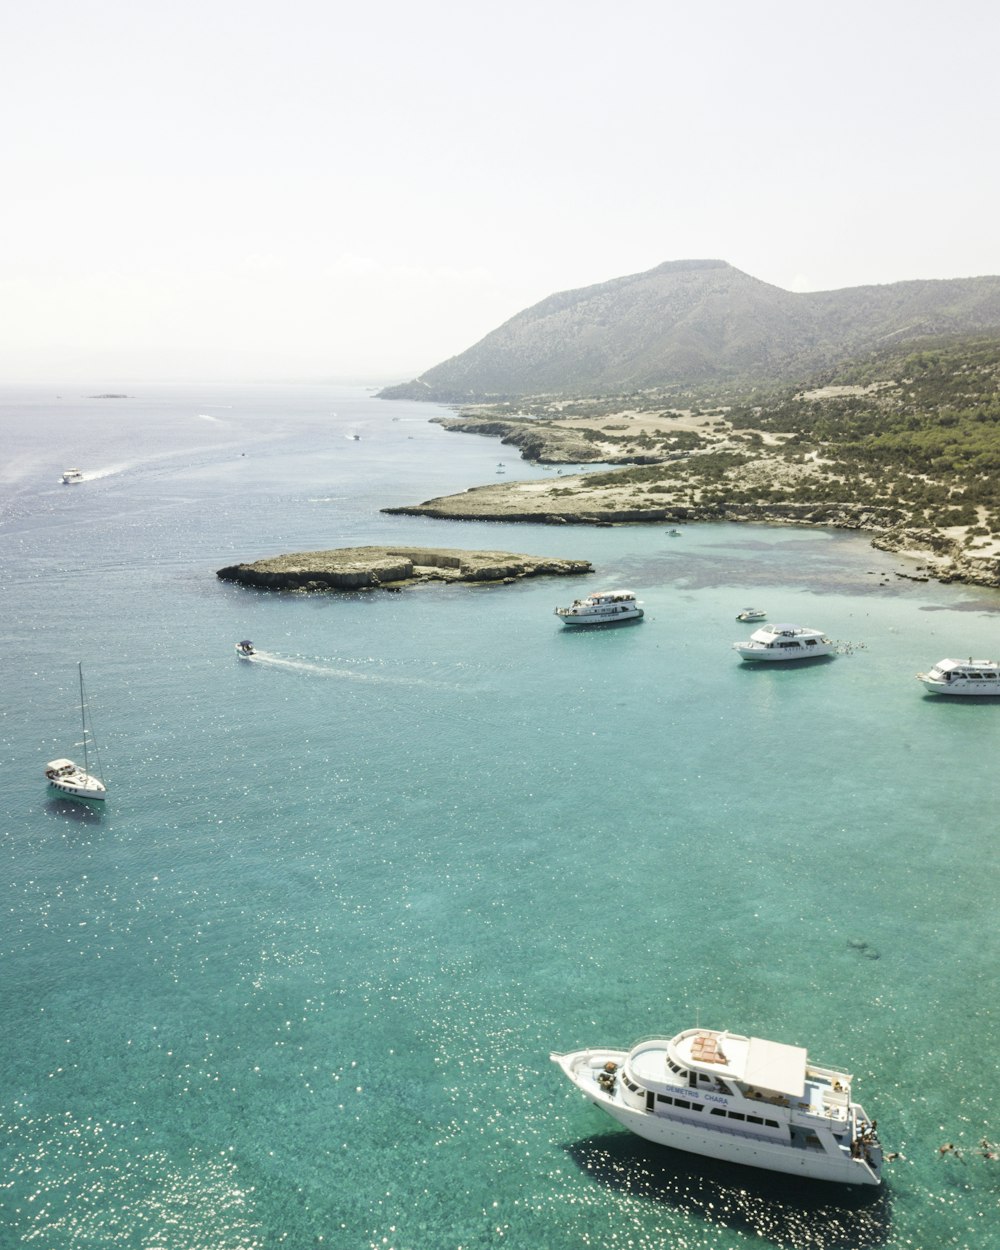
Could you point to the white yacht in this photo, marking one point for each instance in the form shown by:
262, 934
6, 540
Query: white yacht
74, 781
784, 642
70, 476
601, 608
972, 677
751, 614
736, 1098
69, 778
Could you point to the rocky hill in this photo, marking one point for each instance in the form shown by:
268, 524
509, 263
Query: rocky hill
695, 323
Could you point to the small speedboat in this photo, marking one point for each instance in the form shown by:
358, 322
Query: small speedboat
245, 649
752, 614
71, 476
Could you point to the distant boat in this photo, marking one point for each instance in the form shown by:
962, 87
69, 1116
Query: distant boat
355, 437
604, 607
977, 677
752, 614
785, 642
69, 778
72, 475
245, 649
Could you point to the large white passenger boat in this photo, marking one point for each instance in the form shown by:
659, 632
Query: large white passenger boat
736, 1098
784, 642
601, 608
975, 677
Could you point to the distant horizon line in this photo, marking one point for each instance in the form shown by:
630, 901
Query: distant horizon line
116, 386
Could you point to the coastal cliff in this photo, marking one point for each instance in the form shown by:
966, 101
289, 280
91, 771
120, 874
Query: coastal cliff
393, 568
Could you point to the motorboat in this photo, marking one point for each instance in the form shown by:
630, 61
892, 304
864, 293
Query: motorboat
604, 607
742, 1099
785, 642
68, 777
752, 614
71, 476
971, 677
245, 649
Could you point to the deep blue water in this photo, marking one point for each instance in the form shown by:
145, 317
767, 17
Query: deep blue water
298, 983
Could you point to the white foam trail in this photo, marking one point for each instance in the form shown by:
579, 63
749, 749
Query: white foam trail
329, 670
110, 471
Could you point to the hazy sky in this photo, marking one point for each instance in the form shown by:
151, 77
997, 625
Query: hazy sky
309, 189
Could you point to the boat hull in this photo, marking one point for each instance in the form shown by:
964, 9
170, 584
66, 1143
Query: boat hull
768, 655
82, 786
600, 618
732, 1147
966, 688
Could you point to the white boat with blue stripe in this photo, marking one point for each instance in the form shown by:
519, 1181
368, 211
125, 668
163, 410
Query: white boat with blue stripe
785, 642
742, 1099
604, 607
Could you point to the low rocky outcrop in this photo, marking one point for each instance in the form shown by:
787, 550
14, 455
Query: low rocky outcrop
392, 568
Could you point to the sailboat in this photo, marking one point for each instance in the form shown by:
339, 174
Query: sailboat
69, 778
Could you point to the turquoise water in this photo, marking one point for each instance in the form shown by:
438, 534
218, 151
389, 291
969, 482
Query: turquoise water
298, 983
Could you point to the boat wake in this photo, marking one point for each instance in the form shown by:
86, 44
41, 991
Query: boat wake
112, 469
329, 668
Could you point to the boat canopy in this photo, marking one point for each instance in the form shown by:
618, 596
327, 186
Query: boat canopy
776, 1067
59, 765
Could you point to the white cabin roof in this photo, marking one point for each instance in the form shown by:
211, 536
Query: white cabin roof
773, 1066
776, 1066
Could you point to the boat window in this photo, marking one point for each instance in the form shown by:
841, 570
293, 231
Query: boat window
718, 1111
682, 1102
755, 1119
736, 1115
810, 642
697, 1106
771, 1123
722, 1087
664, 1098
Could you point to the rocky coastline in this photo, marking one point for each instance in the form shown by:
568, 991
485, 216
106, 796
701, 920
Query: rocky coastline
630, 437
570, 501
393, 568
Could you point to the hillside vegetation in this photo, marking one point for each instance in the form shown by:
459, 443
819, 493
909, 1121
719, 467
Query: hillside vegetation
697, 323
903, 442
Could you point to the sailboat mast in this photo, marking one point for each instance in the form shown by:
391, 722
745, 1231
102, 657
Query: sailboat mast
83, 718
